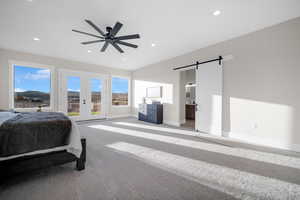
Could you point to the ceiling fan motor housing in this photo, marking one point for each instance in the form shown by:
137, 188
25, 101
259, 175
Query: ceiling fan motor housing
108, 29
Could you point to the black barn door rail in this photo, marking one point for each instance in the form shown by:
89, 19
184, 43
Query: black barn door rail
200, 63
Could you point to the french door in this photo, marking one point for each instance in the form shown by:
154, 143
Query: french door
209, 87
83, 96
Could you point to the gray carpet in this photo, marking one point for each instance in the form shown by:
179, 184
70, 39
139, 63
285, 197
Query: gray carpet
131, 160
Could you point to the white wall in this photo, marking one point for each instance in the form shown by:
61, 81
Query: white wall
190, 76
8, 55
261, 84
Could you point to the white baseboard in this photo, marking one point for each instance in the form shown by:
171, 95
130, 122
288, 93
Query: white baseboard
183, 121
119, 116
261, 142
172, 123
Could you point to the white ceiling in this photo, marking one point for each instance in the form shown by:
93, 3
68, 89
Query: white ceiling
175, 26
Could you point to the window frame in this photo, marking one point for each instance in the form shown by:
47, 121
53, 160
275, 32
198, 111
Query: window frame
129, 91
12, 84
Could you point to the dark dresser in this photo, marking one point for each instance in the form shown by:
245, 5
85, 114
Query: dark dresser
152, 113
190, 110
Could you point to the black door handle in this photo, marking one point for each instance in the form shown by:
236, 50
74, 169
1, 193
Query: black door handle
83, 101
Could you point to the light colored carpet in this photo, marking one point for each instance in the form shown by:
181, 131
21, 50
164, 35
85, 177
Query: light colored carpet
128, 159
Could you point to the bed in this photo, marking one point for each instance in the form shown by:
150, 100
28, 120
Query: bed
31, 141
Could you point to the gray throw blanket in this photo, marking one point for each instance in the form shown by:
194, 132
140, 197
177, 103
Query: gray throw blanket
29, 132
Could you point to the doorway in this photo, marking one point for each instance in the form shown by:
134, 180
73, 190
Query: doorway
190, 105
83, 95
203, 88
189, 85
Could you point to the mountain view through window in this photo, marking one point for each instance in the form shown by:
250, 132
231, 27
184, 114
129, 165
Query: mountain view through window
32, 87
120, 91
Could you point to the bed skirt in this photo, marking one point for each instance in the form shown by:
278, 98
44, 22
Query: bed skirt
40, 161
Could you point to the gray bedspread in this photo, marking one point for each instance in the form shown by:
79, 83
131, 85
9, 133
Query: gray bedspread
27, 132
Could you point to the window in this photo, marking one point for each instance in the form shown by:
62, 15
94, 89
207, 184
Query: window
120, 87
31, 87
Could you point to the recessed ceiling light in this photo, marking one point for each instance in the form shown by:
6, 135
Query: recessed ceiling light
36, 39
29, 0
217, 12
89, 51
153, 44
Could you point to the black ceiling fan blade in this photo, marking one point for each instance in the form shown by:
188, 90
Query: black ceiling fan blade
87, 34
116, 29
104, 46
91, 42
95, 27
127, 44
128, 37
117, 47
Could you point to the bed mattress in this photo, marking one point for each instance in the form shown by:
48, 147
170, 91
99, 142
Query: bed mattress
31, 132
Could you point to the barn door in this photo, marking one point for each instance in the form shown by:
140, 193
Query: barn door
209, 86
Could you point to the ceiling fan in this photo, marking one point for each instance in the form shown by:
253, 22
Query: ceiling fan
109, 37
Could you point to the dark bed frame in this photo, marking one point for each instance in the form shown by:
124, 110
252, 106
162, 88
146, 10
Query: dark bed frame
40, 161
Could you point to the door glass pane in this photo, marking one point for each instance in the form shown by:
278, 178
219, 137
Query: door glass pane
96, 89
73, 85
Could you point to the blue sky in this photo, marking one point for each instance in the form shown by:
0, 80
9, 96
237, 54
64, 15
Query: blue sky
27, 78
37, 79
119, 85
96, 85
74, 84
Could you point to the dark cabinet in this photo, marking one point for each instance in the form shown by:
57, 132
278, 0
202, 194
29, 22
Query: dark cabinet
152, 113
190, 110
